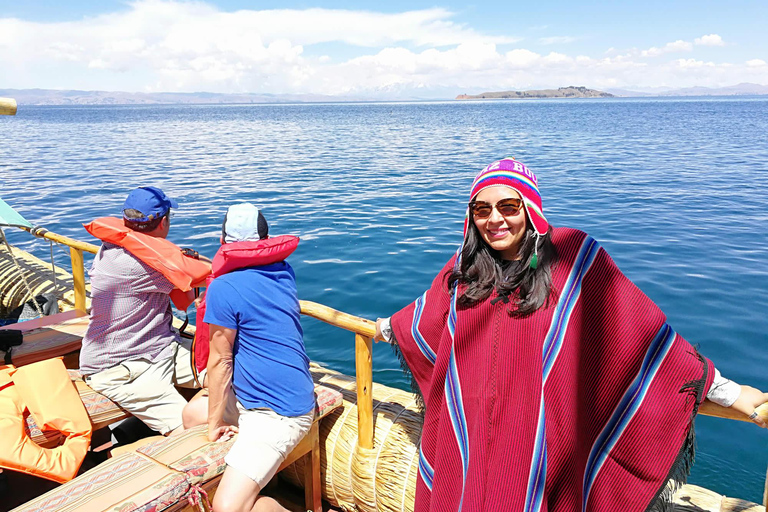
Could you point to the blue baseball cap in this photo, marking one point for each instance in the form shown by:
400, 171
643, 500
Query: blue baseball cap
151, 201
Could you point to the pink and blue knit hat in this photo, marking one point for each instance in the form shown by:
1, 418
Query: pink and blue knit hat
513, 174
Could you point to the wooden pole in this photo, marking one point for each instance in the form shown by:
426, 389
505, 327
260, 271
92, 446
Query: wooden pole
364, 378
334, 317
78, 277
708, 408
7, 106
65, 240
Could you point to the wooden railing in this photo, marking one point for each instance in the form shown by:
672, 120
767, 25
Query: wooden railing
76, 249
363, 330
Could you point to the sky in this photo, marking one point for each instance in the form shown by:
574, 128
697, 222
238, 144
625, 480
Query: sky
394, 49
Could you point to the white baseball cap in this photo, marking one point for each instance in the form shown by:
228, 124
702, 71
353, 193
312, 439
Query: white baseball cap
244, 223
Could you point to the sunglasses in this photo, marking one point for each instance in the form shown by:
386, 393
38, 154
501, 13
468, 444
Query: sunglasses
505, 207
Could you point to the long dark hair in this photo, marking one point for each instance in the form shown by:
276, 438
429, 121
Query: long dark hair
482, 270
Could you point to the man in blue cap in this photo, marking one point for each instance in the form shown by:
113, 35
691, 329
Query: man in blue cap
130, 353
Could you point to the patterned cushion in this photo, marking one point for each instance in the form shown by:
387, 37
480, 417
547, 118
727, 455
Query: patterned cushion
326, 400
127, 483
154, 477
101, 410
201, 460
191, 453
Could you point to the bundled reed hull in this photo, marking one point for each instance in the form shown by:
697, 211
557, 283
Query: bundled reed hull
39, 275
378, 479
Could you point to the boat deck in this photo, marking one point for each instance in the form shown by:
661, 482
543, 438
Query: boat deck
22, 488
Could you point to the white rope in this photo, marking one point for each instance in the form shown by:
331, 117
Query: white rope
53, 271
21, 272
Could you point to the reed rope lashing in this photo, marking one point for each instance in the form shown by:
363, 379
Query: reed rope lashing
381, 445
356, 438
21, 272
333, 450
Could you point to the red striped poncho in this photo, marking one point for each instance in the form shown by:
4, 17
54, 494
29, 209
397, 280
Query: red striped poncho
585, 405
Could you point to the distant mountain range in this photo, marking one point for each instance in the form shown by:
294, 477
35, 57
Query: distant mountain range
744, 89
63, 97
72, 97
562, 92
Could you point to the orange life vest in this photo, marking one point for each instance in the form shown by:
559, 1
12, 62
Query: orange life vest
160, 254
45, 389
229, 257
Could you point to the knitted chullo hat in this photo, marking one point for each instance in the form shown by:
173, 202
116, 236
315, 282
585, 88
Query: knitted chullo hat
513, 174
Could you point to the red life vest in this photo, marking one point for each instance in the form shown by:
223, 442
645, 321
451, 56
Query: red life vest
162, 255
229, 257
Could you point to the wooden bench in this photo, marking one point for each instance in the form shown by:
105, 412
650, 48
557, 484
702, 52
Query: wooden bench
51, 336
166, 473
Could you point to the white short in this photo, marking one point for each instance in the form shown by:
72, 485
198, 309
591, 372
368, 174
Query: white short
265, 440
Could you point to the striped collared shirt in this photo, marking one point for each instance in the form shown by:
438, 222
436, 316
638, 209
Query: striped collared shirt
130, 312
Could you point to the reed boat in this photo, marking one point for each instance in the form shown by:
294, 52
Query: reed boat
364, 457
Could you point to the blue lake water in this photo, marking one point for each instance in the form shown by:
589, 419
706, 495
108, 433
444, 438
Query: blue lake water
675, 189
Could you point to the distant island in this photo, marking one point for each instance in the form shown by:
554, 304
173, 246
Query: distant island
562, 92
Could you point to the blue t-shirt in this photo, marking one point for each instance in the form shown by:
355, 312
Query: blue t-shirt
271, 367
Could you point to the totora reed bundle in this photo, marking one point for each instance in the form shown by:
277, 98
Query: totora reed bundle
380, 479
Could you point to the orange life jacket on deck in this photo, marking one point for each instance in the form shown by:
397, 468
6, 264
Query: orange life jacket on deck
229, 257
162, 255
45, 389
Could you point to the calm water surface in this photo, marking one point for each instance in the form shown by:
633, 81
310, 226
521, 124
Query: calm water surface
675, 189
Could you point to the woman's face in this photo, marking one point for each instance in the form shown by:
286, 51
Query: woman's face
503, 234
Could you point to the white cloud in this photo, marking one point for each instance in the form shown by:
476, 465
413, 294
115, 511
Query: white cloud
693, 63
521, 58
710, 40
557, 40
156, 45
677, 46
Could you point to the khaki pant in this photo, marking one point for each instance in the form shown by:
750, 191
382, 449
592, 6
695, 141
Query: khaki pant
147, 389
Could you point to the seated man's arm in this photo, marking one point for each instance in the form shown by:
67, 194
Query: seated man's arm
219, 378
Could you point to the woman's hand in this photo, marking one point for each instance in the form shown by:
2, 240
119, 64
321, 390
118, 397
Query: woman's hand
749, 400
222, 434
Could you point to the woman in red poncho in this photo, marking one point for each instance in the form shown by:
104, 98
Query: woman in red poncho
550, 381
